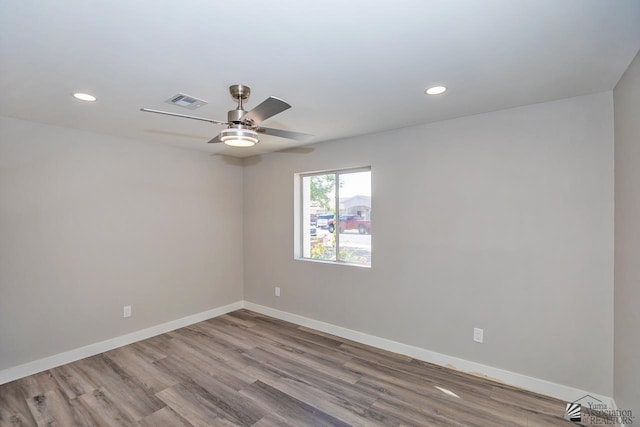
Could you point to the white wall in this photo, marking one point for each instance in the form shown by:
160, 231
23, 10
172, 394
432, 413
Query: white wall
502, 221
627, 248
89, 223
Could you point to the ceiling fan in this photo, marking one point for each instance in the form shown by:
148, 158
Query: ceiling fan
243, 126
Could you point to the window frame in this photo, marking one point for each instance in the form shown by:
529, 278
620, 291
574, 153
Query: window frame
299, 206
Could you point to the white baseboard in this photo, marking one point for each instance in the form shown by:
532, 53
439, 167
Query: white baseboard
50, 362
559, 391
536, 385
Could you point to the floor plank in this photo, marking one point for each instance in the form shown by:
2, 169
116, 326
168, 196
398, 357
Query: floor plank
54, 409
294, 410
164, 417
105, 410
14, 410
201, 407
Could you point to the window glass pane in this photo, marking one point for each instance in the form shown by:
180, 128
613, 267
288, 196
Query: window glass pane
318, 210
336, 216
354, 225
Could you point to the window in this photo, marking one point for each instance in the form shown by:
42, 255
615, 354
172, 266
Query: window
335, 216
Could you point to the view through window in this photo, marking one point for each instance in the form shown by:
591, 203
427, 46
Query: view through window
336, 216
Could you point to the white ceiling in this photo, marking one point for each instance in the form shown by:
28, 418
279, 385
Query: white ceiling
347, 67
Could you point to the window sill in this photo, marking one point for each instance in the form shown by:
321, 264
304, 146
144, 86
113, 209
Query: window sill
342, 263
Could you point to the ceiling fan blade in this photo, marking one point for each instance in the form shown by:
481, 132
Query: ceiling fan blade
298, 136
268, 108
215, 140
217, 122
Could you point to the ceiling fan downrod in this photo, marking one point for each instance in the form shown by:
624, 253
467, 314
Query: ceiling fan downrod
239, 93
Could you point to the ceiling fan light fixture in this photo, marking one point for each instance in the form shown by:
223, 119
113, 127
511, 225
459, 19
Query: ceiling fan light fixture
239, 137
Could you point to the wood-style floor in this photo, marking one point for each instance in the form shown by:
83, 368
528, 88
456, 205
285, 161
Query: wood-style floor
246, 369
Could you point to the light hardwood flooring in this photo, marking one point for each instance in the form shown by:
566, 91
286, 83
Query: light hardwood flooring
247, 369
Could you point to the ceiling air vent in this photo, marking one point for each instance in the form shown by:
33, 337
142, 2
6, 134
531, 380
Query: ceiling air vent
186, 101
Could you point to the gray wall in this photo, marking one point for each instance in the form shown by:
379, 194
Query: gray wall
89, 223
627, 248
502, 221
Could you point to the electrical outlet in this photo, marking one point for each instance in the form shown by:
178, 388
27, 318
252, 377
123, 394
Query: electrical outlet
277, 291
478, 335
126, 311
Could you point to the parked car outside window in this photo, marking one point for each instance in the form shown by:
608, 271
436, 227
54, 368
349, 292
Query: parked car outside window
324, 221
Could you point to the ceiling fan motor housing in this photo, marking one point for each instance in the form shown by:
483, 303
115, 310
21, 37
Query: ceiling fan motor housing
235, 116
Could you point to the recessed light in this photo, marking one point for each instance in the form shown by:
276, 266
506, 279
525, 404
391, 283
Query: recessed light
436, 90
84, 97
